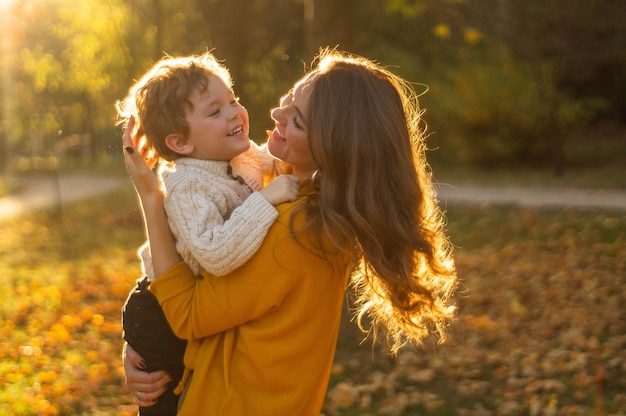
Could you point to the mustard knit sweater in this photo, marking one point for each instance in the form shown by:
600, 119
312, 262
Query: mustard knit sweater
262, 338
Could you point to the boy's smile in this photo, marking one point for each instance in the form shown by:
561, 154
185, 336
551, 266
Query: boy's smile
218, 124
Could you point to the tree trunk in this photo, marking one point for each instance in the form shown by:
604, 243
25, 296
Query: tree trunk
228, 41
328, 23
4, 156
159, 22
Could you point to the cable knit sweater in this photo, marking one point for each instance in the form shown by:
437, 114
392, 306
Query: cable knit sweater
218, 221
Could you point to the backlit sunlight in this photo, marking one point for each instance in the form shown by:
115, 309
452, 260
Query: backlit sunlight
4, 4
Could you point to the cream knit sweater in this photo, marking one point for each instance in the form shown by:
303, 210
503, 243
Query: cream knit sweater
217, 221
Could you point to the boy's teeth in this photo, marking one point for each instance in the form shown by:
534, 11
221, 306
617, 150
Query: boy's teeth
235, 131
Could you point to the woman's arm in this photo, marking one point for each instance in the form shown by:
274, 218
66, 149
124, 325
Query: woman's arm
259, 286
162, 246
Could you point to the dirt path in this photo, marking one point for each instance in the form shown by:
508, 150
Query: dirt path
44, 192
535, 197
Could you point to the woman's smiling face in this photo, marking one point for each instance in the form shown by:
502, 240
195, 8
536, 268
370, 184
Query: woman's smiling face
289, 140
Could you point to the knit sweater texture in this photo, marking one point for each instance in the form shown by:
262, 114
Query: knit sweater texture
262, 338
217, 221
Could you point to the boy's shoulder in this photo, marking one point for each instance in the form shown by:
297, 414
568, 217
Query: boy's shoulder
192, 170
184, 165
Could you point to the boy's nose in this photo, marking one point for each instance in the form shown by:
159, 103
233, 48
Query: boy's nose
233, 113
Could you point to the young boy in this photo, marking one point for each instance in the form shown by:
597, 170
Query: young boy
212, 181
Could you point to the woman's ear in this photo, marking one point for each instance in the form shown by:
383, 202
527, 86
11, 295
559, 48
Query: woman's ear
179, 144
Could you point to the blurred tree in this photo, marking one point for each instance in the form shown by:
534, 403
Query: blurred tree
228, 25
66, 63
584, 43
328, 23
91, 55
257, 40
67, 59
5, 82
575, 52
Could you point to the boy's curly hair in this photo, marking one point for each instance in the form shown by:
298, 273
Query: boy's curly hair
160, 100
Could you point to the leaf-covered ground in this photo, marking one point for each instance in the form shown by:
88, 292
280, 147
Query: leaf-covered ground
64, 276
541, 328
540, 331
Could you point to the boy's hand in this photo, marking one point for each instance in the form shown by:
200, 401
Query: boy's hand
282, 189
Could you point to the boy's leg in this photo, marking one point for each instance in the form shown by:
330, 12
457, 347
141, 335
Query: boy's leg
147, 331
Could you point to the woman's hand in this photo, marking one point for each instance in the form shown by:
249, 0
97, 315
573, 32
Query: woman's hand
145, 387
139, 163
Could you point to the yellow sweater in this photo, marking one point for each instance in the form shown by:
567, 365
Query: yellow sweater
262, 338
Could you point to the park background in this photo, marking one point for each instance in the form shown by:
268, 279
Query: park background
523, 92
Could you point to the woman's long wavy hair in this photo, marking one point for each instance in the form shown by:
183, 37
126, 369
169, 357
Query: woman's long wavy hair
376, 196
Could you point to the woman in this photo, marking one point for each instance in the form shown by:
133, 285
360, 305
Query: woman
367, 216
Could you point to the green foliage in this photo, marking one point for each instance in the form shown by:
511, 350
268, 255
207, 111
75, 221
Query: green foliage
404, 8
65, 71
263, 80
494, 109
583, 41
557, 66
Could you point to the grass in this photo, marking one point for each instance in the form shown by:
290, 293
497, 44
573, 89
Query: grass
540, 329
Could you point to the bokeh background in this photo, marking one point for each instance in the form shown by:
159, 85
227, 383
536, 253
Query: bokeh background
508, 81
517, 94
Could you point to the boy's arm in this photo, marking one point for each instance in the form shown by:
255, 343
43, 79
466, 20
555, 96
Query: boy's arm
218, 246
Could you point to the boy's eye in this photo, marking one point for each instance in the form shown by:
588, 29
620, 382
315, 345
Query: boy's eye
214, 113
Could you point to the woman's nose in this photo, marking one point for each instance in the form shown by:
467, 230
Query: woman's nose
276, 113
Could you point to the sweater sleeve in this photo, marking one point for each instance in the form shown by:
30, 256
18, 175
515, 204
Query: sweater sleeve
259, 286
202, 235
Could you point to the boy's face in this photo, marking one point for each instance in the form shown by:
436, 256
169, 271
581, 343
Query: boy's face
218, 125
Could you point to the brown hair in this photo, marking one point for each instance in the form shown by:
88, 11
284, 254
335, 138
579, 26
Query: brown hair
375, 194
159, 101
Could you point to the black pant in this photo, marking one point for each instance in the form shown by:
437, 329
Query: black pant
147, 331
